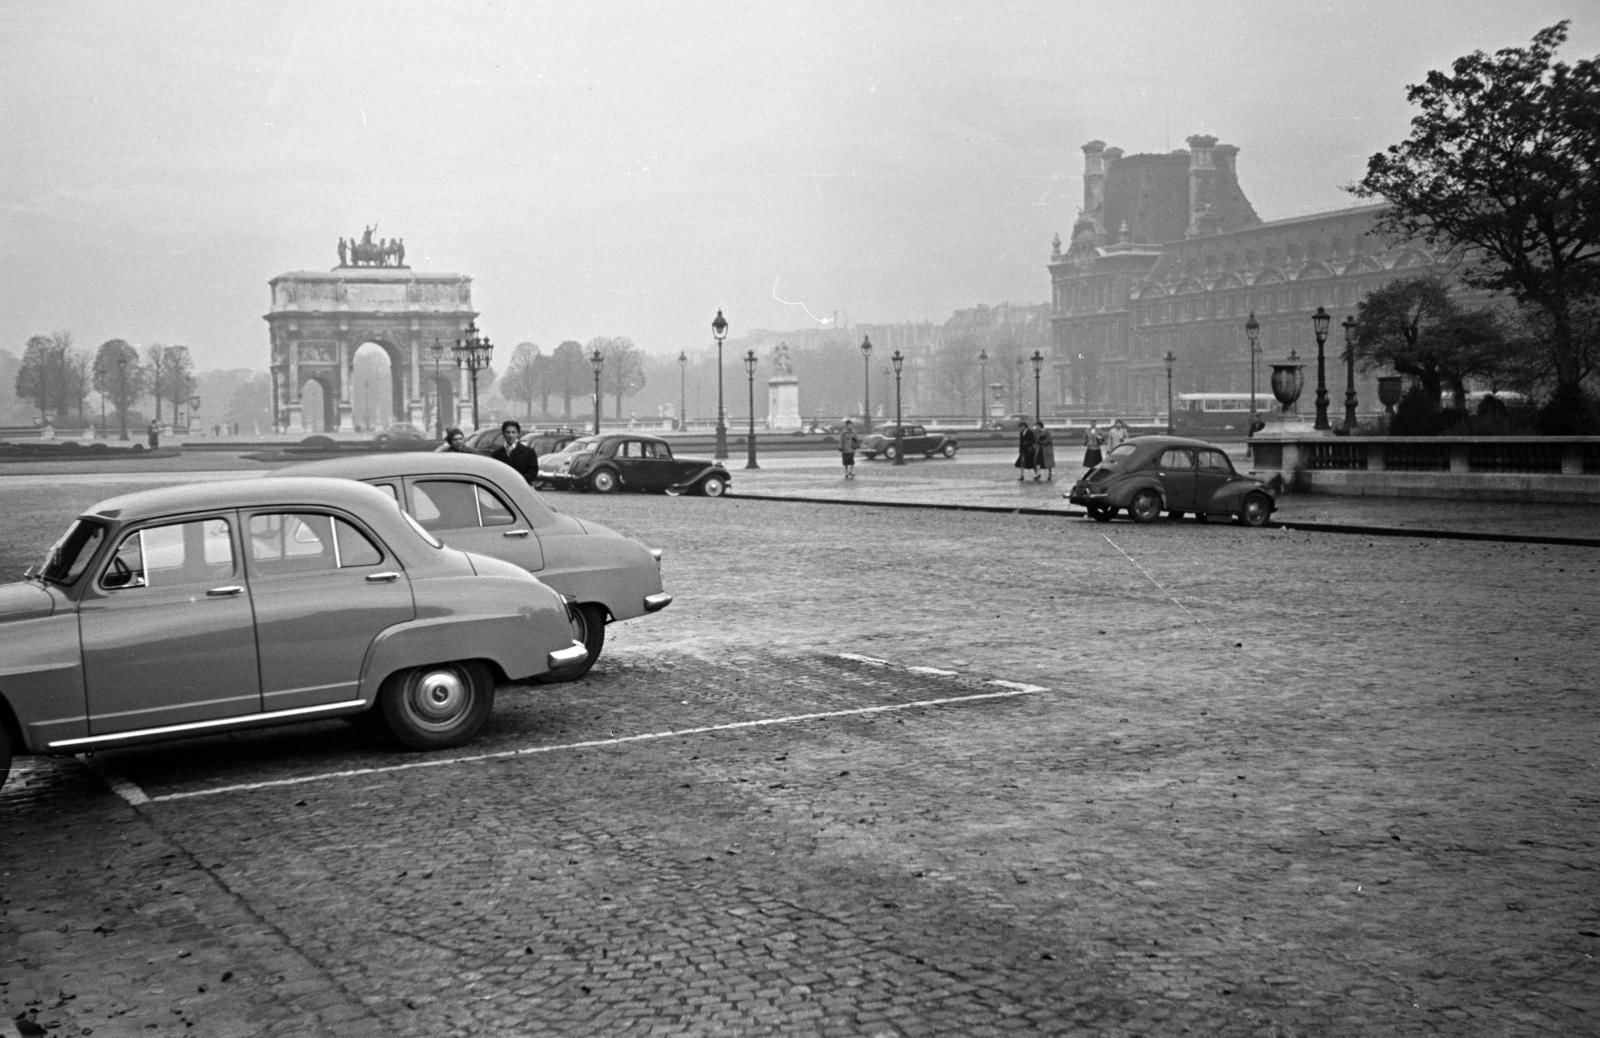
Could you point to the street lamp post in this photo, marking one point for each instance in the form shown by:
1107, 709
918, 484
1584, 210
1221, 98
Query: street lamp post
983, 389
750, 370
1169, 359
683, 398
1038, 367
866, 385
1252, 332
437, 349
899, 429
472, 351
719, 331
100, 377
599, 361
1349, 326
1319, 328
122, 392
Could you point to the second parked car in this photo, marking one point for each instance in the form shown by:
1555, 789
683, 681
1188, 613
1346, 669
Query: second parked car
630, 461
1149, 475
915, 438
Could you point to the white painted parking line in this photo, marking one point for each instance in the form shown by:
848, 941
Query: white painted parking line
1006, 690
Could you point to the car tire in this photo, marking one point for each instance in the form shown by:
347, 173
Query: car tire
949, 450
713, 486
588, 627
870, 455
890, 452
437, 706
1255, 509
1174, 515
1201, 517
603, 481
1101, 513
1145, 506
5, 754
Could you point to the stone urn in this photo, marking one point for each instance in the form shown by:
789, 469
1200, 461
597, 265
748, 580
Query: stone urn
1288, 379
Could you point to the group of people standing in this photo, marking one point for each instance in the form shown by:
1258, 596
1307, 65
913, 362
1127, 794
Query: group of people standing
1036, 449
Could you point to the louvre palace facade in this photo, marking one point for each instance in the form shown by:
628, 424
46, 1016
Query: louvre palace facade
1168, 255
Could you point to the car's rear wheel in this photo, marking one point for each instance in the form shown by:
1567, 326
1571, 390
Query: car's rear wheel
713, 486
1101, 513
1255, 510
1174, 515
949, 450
1201, 517
603, 481
1145, 506
437, 706
588, 627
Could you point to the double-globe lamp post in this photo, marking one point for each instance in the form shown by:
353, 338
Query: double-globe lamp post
983, 389
683, 397
866, 385
719, 331
472, 351
598, 360
750, 370
1319, 328
899, 428
1038, 368
1170, 360
1252, 332
1349, 326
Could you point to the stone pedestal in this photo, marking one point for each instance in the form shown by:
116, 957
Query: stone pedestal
292, 421
783, 403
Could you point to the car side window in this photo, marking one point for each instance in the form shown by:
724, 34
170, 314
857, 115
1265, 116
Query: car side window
1175, 459
491, 510
175, 554
297, 542
453, 504
1215, 462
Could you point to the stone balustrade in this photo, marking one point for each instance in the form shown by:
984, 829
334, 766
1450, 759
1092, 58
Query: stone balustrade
1506, 468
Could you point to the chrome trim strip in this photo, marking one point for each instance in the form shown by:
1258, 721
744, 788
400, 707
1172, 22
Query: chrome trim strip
203, 726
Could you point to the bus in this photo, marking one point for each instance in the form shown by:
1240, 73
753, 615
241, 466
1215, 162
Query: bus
1212, 415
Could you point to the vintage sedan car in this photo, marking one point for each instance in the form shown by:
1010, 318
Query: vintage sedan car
401, 436
630, 461
473, 502
214, 607
917, 440
543, 441
1149, 475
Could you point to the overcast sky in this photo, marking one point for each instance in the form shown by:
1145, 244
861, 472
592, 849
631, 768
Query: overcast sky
629, 168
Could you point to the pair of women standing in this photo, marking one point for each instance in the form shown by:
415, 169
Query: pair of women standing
1036, 450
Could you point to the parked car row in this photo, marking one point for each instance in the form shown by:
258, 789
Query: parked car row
1149, 475
889, 439
629, 461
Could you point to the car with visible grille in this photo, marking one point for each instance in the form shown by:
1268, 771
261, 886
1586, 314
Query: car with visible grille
473, 502
1175, 475
630, 461
915, 438
208, 608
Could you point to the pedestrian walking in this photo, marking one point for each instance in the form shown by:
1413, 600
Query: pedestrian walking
1026, 445
1044, 452
154, 436
455, 442
515, 453
1092, 439
1116, 434
847, 449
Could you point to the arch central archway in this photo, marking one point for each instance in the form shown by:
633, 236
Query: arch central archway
319, 321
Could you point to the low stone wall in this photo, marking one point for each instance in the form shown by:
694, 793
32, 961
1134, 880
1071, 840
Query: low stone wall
1512, 468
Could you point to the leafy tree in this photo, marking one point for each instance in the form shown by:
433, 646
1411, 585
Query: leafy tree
1502, 162
50, 374
570, 373
1414, 326
523, 376
171, 376
119, 375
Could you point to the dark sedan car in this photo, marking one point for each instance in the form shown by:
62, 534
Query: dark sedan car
1149, 475
630, 461
916, 439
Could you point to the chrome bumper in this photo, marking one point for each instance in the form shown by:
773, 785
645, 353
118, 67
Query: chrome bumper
656, 603
572, 654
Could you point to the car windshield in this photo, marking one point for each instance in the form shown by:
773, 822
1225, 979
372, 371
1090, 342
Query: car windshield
586, 445
70, 556
1120, 453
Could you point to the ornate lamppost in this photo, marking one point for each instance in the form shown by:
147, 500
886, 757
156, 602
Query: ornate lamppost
1252, 332
599, 361
122, 391
472, 351
1319, 328
983, 390
866, 385
719, 331
1169, 359
750, 370
437, 349
100, 378
1038, 366
899, 429
1349, 326
683, 399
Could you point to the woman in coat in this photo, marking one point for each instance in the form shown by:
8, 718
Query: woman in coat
1025, 451
1044, 452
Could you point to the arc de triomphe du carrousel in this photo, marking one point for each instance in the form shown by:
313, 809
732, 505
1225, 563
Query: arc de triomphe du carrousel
319, 319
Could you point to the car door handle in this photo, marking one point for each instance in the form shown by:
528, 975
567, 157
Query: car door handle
382, 578
224, 592
515, 533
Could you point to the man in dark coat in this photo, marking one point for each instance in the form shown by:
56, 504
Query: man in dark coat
515, 453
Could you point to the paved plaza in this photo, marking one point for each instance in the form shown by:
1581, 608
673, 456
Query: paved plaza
890, 770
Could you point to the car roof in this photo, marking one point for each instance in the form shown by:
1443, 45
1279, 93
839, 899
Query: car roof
240, 493
1157, 440
397, 463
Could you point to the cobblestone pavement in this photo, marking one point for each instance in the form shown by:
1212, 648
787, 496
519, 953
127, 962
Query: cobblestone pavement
884, 771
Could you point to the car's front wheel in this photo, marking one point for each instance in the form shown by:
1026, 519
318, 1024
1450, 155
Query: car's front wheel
1101, 513
891, 452
588, 627
1255, 510
437, 706
713, 486
5, 754
1145, 506
603, 481
949, 450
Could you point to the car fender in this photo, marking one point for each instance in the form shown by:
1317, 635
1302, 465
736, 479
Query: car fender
41, 679
1122, 496
598, 567
709, 470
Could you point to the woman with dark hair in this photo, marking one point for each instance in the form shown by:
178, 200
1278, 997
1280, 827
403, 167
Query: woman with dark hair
455, 442
1027, 451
